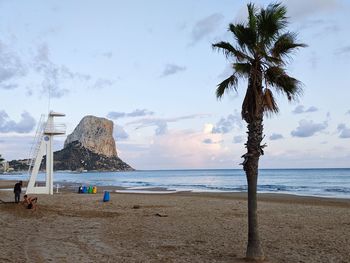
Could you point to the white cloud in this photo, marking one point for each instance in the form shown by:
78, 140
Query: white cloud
238, 139
161, 124
180, 149
301, 109
276, 136
120, 133
308, 128
11, 68
206, 27
344, 131
24, 125
226, 125
136, 113
102, 83
171, 69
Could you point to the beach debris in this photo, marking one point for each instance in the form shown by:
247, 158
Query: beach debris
161, 215
136, 207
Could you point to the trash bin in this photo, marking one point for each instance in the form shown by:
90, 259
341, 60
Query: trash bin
90, 190
84, 189
106, 196
94, 190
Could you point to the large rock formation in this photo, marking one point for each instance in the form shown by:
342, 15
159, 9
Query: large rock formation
91, 146
95, 134
76, 157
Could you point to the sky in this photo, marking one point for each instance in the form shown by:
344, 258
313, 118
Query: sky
149, 67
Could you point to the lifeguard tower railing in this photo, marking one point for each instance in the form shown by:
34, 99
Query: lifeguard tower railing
55, 128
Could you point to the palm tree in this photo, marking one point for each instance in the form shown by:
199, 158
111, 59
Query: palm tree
261, 50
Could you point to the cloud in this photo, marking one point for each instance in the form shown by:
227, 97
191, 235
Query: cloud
108, 54
344, 132
162, 128
53, 74
101, 83
348, 112
11, 68
343, 50
161, 124
206, 26
308, 128
301, 109
276, 136
179, 149
226, 125
56, 77
208, 141
120, 133
211, 141
25, 125
171, 69
136, 113
237, 139
300, 8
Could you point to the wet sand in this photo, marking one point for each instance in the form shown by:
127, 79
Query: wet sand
177, 227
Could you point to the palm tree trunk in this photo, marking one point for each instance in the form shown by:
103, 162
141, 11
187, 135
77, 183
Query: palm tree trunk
255, 136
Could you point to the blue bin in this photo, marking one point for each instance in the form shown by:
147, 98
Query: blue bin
85, 189
106, 196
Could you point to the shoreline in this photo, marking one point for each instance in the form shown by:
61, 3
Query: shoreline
71, 186
177, 227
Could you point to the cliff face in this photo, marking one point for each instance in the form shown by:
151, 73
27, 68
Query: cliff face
91, 146
94, 134
75, 157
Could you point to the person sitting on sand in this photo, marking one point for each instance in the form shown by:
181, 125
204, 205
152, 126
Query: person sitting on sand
30, 202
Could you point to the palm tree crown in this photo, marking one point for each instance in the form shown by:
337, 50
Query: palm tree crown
263, 47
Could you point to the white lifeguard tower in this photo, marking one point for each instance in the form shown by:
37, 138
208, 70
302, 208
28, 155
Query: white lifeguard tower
43, 145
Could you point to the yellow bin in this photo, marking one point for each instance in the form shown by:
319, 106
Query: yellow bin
94, 190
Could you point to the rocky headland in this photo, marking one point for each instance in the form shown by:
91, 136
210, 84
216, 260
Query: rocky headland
90, 147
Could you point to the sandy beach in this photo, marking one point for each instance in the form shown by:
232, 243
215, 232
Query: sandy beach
179, 227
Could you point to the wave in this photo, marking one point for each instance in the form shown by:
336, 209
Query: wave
344, 190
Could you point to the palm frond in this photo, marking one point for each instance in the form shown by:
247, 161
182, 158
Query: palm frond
278, 78
285, 44
250, 105
245, 36
242, 69
270, 22
227, 85
270, 105
252, 11
229, 50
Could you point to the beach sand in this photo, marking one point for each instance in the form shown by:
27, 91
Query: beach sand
179, 227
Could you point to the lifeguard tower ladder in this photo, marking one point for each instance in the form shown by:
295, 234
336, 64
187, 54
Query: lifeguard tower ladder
43, 145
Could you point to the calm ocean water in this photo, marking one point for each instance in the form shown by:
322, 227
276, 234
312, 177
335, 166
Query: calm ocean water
308, 182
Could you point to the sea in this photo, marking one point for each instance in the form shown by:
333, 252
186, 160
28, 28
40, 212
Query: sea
333, 183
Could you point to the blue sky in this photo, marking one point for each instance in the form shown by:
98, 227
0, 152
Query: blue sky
149, 67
